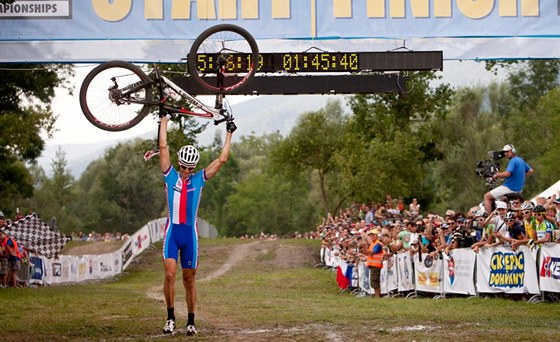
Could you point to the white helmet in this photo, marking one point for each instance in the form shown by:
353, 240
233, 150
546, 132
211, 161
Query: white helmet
527, 205
188, 156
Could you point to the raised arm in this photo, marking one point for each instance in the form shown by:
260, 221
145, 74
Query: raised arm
217, 164
164, 158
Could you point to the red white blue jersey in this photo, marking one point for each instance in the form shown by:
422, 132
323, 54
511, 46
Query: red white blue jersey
183, 196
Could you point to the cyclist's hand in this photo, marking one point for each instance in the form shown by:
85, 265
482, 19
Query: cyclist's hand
169, 116
230, 127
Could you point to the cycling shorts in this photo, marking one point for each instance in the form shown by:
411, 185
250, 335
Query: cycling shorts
184, 239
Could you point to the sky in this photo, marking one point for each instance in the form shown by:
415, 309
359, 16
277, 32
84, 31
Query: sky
73, 128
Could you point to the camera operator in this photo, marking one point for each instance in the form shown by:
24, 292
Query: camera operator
514, 175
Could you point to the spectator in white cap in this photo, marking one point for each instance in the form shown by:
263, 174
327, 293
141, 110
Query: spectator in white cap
514, 175
498, 217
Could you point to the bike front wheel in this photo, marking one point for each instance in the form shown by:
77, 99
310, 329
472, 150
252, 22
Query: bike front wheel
115, 96
224, 58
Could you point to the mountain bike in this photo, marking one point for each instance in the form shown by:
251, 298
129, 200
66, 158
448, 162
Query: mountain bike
117, 95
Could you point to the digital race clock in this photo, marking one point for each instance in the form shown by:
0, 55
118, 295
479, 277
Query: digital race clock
287, 62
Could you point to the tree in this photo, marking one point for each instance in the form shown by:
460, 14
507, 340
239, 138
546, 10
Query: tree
390, 139
120, 192
264, 198
312, 146
25, 96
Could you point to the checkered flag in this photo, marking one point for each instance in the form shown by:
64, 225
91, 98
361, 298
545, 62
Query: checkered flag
36, 235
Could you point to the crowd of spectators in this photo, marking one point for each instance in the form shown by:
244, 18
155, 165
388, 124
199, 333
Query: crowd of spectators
98, 237
410, 230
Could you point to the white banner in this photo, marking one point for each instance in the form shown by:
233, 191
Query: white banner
157, 229
405, 272
549, 269
126, 254
140, 240
363, 280
99, 30
499, 269
458, 271
389, 277
82, 268
428, 274
329, 258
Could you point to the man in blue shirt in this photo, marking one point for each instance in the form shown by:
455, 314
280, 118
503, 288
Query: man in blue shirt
514, 175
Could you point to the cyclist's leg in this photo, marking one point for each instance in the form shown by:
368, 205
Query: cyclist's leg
189, 264
170, 257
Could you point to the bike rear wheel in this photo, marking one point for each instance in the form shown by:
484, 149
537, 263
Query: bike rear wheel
105, 98
223, 58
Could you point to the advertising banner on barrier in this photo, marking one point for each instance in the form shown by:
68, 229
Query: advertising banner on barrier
157, 229
458, 271
549, 267
126, 253
500, 269
405, 272
140, 240
363, 281
389, 277
329, 258
428, 274
82, 265
37, 269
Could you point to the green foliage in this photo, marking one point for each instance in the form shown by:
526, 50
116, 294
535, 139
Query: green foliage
212, 206
25, 96
54, 195
390, 139
312, 146
120, 192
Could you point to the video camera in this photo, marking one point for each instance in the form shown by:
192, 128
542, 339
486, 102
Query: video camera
489, 167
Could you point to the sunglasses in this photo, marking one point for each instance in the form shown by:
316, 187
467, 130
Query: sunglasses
510, 220
526, 213
539, 214
184, 167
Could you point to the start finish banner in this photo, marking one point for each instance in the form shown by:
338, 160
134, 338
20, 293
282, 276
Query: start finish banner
162, 30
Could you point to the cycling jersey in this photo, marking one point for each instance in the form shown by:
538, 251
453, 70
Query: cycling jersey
181, 230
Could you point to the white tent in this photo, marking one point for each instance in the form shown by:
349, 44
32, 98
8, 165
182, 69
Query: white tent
553, 189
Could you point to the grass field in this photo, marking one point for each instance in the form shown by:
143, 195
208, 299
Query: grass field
274, 293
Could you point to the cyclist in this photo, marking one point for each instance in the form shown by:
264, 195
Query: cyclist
515, 174
183, 189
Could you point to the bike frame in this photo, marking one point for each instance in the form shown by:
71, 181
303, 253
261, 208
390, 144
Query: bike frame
218, 113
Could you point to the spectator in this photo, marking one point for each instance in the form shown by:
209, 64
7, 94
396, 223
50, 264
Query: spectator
488, 239
414, 208
10, 245
4, 266
497, 217
374, 261
514, 233
551, 214
515, 174
370, 215
449, 214
467, 233
543, 227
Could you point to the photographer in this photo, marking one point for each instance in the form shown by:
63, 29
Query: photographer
514, 175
